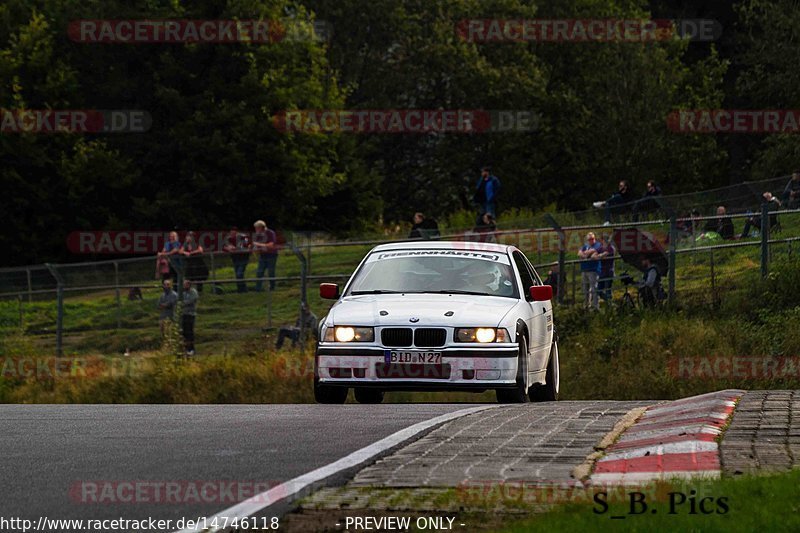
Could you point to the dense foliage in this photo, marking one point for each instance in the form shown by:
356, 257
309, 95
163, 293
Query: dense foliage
214, 158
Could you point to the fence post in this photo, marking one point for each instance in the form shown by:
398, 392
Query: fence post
303, 293
116, 289
19, 300
308, 254
213, 275
269, 308
574, 283
764, 240
673, 254
59, 308
562, 276
30, 286
713, 281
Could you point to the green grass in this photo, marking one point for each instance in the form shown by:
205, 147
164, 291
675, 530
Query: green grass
755, 503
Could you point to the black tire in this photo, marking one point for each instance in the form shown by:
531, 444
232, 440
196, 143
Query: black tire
329, 394
549, 391
368, 395
519, 394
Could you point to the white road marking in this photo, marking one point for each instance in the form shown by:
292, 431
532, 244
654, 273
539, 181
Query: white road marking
299, 486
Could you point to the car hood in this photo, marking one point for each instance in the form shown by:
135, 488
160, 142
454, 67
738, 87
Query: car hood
430, 309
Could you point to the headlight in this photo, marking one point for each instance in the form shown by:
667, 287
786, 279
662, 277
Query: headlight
482, 335
350, 334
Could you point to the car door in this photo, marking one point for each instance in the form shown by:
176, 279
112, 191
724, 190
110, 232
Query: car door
549, 329
540, 323
532, 311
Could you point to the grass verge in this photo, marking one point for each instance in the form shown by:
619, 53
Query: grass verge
753, 503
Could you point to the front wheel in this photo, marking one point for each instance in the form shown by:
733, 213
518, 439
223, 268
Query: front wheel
519, 394
549, 391
328, 394
368, 395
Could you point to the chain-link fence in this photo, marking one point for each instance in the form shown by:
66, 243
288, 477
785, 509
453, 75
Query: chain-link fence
111, 306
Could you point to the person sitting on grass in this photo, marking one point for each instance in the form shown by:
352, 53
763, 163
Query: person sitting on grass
619, 202
791, 194
773, 204
721, 225
306, 317
647, 203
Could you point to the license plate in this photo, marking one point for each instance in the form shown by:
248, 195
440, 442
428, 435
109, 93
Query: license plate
425, 358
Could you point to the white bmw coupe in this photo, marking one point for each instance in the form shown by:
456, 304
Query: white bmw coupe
439, 316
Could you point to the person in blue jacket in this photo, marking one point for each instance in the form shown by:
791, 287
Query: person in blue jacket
486, 190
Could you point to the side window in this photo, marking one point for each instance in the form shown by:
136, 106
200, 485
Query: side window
536, 279
524, 274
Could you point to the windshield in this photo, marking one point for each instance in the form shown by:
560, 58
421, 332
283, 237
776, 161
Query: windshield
436, 271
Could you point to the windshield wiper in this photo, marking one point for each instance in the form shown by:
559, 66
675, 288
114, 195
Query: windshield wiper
454, 291
374, 291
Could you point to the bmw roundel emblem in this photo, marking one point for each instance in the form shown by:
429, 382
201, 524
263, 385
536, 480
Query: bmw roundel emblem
413, 319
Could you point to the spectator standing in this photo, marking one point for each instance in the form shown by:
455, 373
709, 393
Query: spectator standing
306, 319
166, 305
486, 191
168, 259
607, 255
722, 224
196, 269
189, 313
238, 245
424, 228
617, 202
265, 244
791, 194
647, 203
590, 271
773, 204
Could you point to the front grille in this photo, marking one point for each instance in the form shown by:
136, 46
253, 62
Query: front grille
412, 371
429, 337
396, 336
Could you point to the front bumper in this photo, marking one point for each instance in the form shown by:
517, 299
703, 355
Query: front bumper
463, 368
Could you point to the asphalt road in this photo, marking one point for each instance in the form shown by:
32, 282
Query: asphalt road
73, 461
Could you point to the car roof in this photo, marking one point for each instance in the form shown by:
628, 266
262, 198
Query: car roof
445, 245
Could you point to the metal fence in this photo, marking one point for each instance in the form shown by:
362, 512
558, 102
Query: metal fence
110, 305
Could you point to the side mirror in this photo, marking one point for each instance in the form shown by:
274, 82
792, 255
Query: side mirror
541, 293
329, 291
